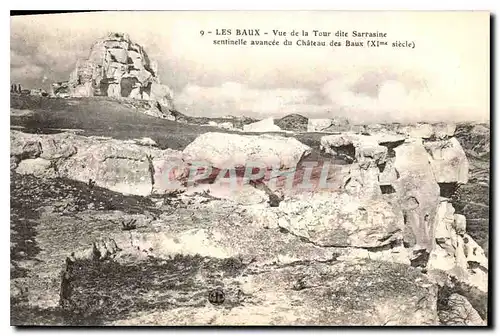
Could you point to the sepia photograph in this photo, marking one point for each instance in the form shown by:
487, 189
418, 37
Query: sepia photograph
250, 168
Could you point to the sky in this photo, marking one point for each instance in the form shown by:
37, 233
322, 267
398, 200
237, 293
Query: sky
446, 77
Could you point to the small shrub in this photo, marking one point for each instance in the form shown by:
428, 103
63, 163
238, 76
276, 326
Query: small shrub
129, 225
91, 183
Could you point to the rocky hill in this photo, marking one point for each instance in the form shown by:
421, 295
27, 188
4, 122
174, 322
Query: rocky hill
114, 223
293, 122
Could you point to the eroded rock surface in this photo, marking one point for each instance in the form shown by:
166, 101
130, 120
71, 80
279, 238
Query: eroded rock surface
364, 250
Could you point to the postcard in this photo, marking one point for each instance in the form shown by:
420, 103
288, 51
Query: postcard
250, 168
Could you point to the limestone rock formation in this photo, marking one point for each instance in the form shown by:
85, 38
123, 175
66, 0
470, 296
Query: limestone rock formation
224, 125
358, 252
413, 170
37, 167
417, 191
116, 165
336, 124
342, 221
116, 67
448, 161
265, 125
437, 131
223, 150
459, 312
371, 166
455, 251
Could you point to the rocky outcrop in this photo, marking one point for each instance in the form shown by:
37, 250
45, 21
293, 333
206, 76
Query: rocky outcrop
372, 168
455, 251
117, 67
265, 125
414, 174
342, 221
448, 161
428, 131
38, 167
336, 124
458, 311
116, 165
224, 125
385, 162
133, 168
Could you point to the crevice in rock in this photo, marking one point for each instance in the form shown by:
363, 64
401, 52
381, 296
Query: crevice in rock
346, 153
387, 189
448, 189
391, 153
475, 265
389, 246
118, 157
421, 259
381, 166
386, 247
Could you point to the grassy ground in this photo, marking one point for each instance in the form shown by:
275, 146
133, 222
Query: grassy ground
106, 291
100, 117
28, 196
106, 117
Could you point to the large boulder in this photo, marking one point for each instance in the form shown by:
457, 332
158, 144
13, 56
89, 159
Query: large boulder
223, 150
38, 167
448, 161
342, 221
125, 168
49, 147
120, 166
